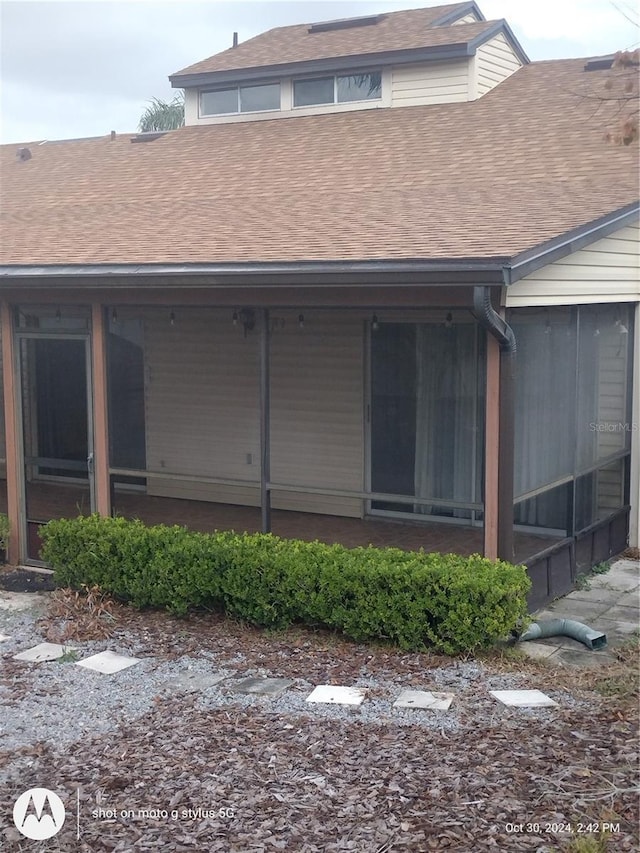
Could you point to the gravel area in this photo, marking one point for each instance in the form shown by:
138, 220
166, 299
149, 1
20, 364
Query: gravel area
61, 703
226, 771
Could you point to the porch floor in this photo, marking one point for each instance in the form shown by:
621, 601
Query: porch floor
52, 500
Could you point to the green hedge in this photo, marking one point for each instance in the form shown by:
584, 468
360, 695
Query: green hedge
415, 600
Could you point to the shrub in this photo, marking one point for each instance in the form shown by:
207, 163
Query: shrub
415, 600
5, 530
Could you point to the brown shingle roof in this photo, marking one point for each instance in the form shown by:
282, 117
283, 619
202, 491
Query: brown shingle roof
490, 178
395, 31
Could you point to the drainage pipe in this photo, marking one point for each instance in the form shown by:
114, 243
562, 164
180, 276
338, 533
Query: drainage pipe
490, 320
565, 628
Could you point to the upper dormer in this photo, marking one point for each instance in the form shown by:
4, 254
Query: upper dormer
438, 55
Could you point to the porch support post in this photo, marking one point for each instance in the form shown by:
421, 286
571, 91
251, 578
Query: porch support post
12, 444
507, 454
503, 334
265, 422
492, 449
100, 411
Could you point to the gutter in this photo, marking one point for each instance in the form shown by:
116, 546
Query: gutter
298, 268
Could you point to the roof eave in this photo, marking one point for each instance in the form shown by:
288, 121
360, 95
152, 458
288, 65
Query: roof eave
385, 58
571, 241
447, 272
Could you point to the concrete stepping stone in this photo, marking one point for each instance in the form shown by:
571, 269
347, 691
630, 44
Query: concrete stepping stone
191, 682
424, 699
331, 694
44, 652
524, 698
538, 651
107, 662
262, 686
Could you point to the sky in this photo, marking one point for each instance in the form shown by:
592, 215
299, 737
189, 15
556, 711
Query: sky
85, 67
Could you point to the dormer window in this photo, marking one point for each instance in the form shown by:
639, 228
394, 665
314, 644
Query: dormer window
240, 99
337, 89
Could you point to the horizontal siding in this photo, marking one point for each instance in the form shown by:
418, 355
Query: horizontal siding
202, 386
317, 386
202, 408
606, 271
495, 61
610, 491
612, 393
433, 83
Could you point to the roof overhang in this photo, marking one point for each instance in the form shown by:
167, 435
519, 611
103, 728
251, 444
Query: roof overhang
419, 273
571, 241
437, 53
442, 272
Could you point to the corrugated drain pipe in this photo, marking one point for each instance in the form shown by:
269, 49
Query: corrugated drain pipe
490, 320
565, 628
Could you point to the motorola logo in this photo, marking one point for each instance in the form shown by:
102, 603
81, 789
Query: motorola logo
39, 814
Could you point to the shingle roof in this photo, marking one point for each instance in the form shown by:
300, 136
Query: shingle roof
395, 31
485, 179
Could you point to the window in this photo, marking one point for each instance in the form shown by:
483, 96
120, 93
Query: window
427, 428
243, 99
339, 89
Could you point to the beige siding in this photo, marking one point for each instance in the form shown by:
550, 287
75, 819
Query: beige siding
610, 494
202, 408
435, 83
606, 271
495, 61
317, 410
201, 404
191, 106
612, 391
466, 19
612, 409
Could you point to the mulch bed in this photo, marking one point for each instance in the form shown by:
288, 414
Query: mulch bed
307, 786
244, 780
23, 580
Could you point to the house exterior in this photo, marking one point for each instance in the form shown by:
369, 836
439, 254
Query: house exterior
388, 270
